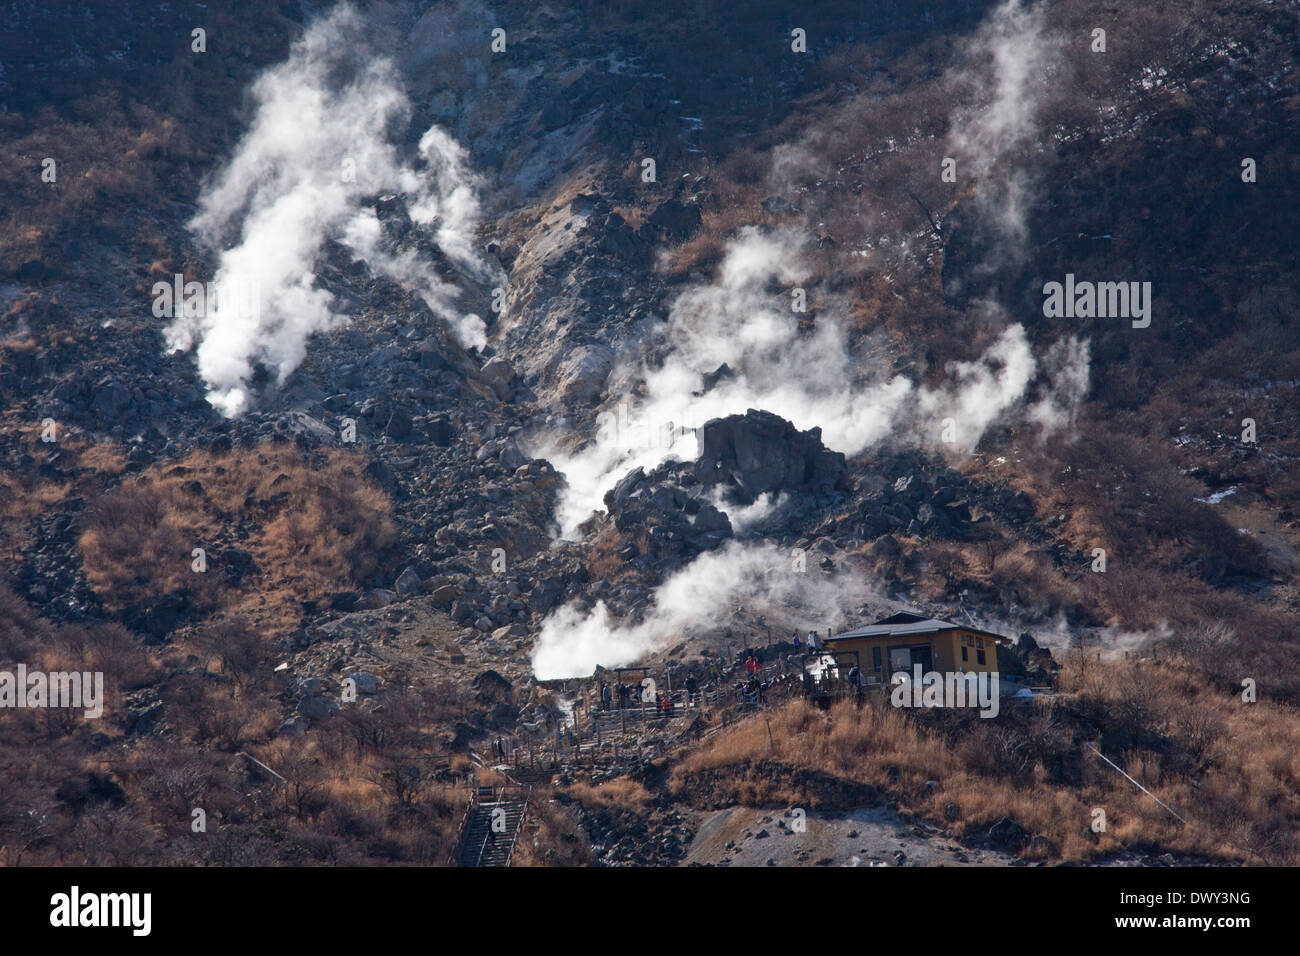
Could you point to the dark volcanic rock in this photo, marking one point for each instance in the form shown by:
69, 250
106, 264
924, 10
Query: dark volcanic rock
491, 686
760, 452
674, 220
32, 270
1008, 834
441, 432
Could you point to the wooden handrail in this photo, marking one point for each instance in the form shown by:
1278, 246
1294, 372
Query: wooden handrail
454, 857
519, 827
488, 836
514, 837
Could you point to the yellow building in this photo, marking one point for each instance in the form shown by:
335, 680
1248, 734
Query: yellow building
901, 641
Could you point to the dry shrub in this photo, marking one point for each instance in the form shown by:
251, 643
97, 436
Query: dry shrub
634, 216
137, 547
26, 496
1239, 802
622, 793
551, 836
606, 563
311, 527
857, 744
1228, 766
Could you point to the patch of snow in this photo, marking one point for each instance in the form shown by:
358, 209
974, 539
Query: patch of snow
1218, 496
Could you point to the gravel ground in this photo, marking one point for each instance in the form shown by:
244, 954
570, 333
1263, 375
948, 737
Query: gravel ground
741, 836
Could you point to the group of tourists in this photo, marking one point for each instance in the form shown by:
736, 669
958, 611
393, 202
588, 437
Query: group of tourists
626, 693
812, 641
754, 688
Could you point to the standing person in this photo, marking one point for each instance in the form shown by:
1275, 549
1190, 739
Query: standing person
604, 695
795, 641
812, 640
501, 749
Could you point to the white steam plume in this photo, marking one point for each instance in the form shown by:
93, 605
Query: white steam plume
322, 141
1066, 367
989, 139
698, 597
744, 320
813, 379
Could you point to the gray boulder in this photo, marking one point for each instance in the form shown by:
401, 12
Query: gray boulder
111, 401
408, 582
366, 683
583, 375
511, 457
317, 707
499, 374
759, 452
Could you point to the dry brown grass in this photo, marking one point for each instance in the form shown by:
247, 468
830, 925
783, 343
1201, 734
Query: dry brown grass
622, 793
605, 561
634, 216
312, 527
552, 836
1236, 773
128, 134
858, 745
26, 497
1230, 769
102, 165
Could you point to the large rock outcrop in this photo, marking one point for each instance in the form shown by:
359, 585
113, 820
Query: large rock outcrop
760, 452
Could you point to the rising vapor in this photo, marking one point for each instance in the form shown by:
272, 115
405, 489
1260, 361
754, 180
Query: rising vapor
811, 379
1009, 57
698, 597
322, 142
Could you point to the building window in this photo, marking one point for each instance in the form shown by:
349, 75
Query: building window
964, 655
979, 656
875, 658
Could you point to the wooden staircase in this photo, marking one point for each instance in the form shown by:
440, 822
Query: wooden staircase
481, 844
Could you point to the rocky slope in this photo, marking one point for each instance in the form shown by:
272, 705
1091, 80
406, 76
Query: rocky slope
583, 264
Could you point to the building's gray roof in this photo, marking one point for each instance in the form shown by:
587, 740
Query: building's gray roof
906, 628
